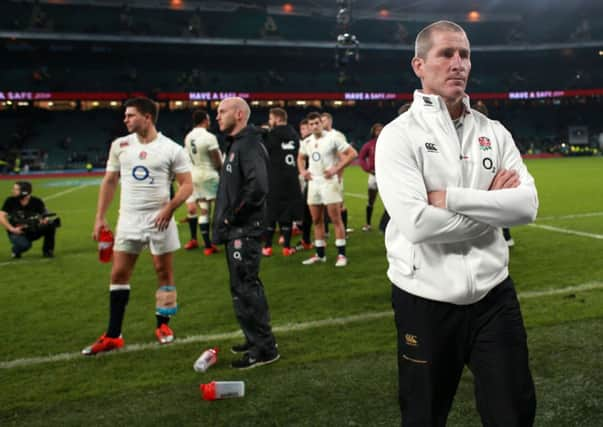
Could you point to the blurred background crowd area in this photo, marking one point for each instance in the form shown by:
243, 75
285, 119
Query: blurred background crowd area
164, 46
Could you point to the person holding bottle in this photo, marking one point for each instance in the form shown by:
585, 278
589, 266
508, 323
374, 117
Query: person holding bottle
145, 161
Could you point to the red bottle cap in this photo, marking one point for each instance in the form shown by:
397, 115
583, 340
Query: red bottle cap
208, 391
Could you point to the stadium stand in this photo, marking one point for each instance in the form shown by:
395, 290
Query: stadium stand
63, 47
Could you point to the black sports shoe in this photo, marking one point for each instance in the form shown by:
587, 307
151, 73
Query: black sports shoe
48, 253
249, 362
240, 348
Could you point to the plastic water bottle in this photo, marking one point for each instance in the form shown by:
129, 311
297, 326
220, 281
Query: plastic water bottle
207, 359
222, 390
105, 245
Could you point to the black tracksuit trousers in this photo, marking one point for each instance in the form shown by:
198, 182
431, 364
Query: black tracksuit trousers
243, 256
436, 340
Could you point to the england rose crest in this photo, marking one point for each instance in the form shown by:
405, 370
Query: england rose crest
484, 143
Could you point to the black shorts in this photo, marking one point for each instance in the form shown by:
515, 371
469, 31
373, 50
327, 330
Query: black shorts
284, 211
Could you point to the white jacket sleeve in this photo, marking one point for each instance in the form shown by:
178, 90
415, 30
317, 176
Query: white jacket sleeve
499, 208
404, 195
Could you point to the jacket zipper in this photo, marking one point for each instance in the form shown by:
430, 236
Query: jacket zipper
468, 271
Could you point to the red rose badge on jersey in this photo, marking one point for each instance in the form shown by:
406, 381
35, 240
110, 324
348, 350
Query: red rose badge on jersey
484, 143
142, 155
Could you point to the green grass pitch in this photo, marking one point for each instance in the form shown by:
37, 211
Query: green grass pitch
334, 326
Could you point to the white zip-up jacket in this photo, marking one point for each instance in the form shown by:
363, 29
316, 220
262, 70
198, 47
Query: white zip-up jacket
457, 254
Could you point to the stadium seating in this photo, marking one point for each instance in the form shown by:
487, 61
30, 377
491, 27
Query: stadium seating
73, 138
179, 66
247, 23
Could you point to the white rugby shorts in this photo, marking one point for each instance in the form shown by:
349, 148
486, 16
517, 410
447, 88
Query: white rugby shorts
205, 186
372, 182
324, 192
137, 231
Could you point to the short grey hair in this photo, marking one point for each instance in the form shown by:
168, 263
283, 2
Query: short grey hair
424, 41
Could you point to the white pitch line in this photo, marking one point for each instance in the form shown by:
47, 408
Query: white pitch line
290, 327
573, 216
61, 193
23, 261
358, 196
550, 292
567, 231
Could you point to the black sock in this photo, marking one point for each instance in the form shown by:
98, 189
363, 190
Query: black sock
306, 229
192, 224
286, 230
204, 227
118, 300
507, 233
369, 214
161, 320
341, 250
307, 225
269, 236
344, 218
383, 222
320, 251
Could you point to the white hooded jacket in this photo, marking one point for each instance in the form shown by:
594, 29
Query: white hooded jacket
457, 254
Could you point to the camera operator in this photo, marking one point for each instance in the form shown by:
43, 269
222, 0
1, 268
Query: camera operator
26, 219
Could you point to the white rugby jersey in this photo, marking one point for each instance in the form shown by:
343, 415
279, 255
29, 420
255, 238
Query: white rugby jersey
146, 171
322, 152
198, 143
338, 135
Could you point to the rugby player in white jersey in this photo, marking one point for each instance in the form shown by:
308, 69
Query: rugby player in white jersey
145, 161
204, 152
327, 124
327, 157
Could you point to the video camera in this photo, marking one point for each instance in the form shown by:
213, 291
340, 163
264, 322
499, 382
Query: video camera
33, 223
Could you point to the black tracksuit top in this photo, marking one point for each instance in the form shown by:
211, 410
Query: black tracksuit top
241, 199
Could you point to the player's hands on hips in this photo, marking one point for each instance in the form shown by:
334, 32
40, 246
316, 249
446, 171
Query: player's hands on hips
99, 224
437, 199
163, 218
505, 179
306, 175
330, 172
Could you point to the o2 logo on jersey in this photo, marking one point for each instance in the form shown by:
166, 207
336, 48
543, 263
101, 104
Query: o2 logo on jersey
488, 164
140, 173
290, 160
316, 156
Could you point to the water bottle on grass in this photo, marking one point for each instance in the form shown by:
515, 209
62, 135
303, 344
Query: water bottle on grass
207, 359
222, 390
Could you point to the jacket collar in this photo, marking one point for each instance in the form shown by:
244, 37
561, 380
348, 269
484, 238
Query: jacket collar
247, 130
434, 103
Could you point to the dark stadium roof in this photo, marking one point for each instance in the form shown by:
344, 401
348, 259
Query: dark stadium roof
429, 6
580, 7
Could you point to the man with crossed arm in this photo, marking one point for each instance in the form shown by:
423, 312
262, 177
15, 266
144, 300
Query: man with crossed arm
450, 178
